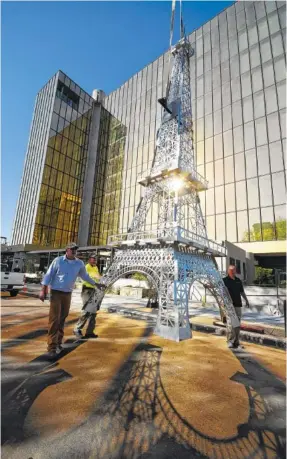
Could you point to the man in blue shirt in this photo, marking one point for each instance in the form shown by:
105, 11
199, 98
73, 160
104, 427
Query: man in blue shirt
61, 277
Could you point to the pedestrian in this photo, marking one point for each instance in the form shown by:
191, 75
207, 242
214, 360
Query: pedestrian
87, 295
61, 277
236, 291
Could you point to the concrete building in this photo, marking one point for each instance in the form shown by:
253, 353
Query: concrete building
85, 153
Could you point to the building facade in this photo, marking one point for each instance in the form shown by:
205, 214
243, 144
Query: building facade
238, 85
84, 157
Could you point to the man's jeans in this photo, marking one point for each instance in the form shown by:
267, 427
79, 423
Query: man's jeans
86, 316
233, 334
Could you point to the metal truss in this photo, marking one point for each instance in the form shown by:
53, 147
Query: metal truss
175, 252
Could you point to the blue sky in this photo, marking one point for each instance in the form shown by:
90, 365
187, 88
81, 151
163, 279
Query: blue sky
98, 44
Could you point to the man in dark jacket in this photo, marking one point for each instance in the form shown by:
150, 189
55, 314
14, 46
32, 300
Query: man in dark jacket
236, 291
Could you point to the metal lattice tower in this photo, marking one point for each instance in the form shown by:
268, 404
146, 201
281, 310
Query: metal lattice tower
175, 251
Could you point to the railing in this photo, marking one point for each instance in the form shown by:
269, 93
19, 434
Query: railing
168, 235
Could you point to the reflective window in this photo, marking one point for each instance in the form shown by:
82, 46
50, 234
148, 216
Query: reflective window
281, 93
268, 74
261, 132
273, 127
228, 143
220, 228
208, 103
231, 227
227, 118
246, 84
218, 153
239, 166
200, 129
252, 193
263, 160
219, 200
208, 126
280, 222
251, 163
218, 172
279, 188
254, 226
257, 81
237, 113
200, 153
262, 29
235, 90
282, 114
229, 169
238, 139
216, 100
252, 35
247, 109
244, 62
242, 40
234, 67
265, 190
273, 22
277, 45
199, 113
217, 120
230, 197
249, 140
268, 230
209, 201
254, 56
209, 173
209, 150
210, 226
280, 69
207, 82
242, 225
241, 201
226, 94
259, 104
265, 49
271, 100
276, 158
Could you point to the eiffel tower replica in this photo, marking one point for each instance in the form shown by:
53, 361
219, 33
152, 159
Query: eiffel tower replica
175, 252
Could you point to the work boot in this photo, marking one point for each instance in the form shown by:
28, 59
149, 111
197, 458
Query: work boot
78, 333
59, 349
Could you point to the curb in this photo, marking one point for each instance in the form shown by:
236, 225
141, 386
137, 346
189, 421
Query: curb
255, 338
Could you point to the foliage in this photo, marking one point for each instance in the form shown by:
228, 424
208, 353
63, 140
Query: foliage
263, 276
270, 231
139, 277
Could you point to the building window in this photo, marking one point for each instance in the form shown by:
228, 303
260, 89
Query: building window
244, 271
238, 267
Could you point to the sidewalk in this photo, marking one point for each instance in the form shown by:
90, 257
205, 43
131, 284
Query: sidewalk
258, 328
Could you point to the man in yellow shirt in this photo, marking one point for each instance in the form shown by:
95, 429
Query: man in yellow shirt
87, 293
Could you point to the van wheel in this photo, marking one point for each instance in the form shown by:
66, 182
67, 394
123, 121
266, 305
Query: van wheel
14, 293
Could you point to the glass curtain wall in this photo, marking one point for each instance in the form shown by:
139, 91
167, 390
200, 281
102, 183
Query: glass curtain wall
238, 85
58, 212
108, 180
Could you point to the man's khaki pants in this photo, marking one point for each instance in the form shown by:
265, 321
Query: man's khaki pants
233, 334
86, 316
59, 309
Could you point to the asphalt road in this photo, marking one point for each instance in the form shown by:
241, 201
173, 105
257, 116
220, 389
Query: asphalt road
130, 394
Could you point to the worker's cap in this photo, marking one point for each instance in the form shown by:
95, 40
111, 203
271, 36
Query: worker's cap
72, 246
93, 255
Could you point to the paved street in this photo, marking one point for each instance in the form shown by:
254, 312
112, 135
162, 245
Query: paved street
131, 394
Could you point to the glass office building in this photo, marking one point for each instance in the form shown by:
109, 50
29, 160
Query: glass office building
238, 86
